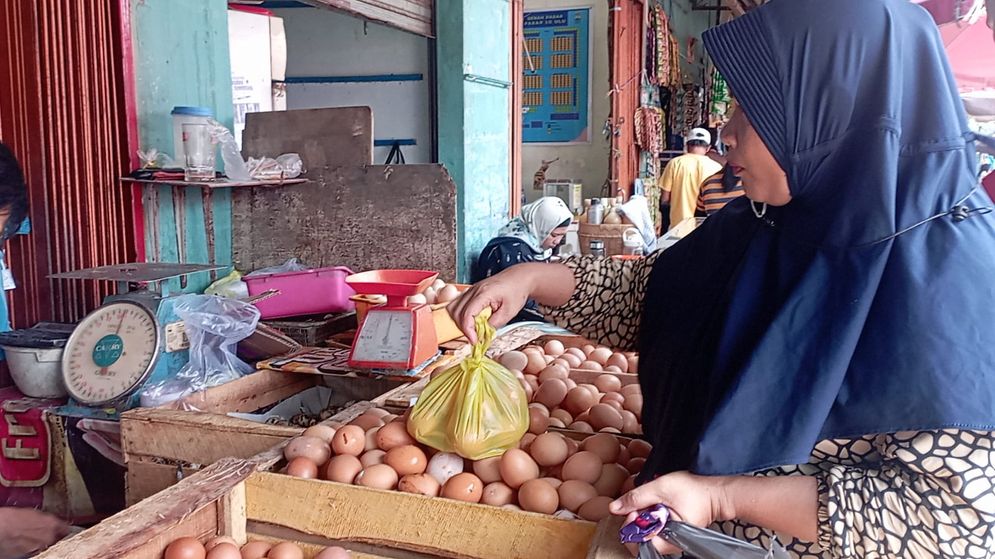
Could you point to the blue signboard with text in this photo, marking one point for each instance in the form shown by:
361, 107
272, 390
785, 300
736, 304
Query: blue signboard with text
556, 76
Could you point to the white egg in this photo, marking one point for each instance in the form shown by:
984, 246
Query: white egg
417, 299
438, 284
448, 293
430, 295
443, 466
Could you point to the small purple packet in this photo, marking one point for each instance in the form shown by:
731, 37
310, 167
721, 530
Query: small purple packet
649, 523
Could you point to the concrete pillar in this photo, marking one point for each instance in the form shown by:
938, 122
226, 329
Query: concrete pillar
474, 55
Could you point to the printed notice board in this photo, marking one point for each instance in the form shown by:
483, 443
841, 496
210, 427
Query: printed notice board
556, 76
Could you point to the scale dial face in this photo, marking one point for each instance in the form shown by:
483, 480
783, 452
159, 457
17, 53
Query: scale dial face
110, 353
385, 337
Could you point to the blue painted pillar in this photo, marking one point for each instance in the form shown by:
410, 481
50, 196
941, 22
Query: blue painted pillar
474, 55
181, 58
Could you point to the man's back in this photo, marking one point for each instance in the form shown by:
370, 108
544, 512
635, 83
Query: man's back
682, 178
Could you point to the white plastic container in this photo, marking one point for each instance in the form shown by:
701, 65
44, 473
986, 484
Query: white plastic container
185, 115
36, 372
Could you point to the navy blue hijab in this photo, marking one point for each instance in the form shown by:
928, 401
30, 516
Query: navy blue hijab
763, 336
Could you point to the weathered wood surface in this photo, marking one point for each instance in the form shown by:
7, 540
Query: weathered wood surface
189, 508
322, 137
413, 16
365, 218
440, 527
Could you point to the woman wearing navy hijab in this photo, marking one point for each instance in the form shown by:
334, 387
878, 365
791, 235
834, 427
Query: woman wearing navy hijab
818, 359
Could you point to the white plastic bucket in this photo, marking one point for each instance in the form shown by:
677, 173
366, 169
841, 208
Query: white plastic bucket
36, 372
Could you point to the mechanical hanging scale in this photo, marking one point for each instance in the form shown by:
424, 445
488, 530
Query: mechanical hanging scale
134, 339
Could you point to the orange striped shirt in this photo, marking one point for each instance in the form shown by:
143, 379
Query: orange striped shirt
714, 196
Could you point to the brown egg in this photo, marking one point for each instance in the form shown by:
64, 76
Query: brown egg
582, 426
603, 415
574, 493
578, 401
377, 476
536, 363
553, 347
635, 465
563, 415
640, 448
585, 466
613, 397
604, 445
585, 417
630, 389
633, 363
538, 496
611, 480
630, 424
554, 482
600, 355
488, 469
377, 412
312, 448
634, 403
218, 540
350, 439
343, 468
514, 360
371, 457
551, 372
549, 359
612, 369
533, 382
608, 383
367, 421
464, 487
389, 418
553, 422
591, 366
517, 467
526, 441
285, 550
185, 548
572, 447
448, 293
596, 509
570, 384
323, 432
562, 363
371, 439
256, 550
394, 435
588, 349
576, 352
302, 467
551, 392
629, 485
549, 449
623, 455
333, 552
616, 405
529, 393
618, 360
406, 460
497, 494
224, 550
538, 419
420, 484
611, 430
573, 361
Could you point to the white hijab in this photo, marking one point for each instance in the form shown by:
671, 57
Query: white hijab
537, 222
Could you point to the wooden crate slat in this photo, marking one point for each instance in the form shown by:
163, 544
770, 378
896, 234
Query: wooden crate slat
440, 527
188, 508
253, 392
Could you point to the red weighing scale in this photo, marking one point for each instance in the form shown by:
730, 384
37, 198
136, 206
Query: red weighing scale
394, 335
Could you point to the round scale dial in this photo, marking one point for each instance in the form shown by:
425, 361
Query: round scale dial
110, 353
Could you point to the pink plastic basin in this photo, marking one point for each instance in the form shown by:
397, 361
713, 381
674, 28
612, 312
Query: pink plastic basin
318, 291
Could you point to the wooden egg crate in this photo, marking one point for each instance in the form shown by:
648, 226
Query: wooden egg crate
232, 498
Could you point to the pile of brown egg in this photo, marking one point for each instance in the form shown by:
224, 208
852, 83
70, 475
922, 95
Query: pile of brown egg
549, 473
605, 406
224, 547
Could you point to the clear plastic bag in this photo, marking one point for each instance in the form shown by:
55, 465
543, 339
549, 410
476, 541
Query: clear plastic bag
292, 265
476, 409
286, 166
235, 167
214, 325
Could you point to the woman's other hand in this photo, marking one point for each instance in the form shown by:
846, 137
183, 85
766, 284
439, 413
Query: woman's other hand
695, 500
25, 531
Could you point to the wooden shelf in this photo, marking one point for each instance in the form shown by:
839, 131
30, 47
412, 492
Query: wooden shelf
221, 183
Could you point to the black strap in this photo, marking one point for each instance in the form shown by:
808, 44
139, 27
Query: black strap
396, 156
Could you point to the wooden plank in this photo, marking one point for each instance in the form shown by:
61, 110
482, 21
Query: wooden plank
145, 478
606, 544
587, 376
197, 438
223, 183
143, 531
247, 394
365, 218
312, 545
231, 514
413, 16
308, 132
440, 527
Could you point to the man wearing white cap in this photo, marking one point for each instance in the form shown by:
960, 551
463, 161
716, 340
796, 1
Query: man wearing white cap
682, 178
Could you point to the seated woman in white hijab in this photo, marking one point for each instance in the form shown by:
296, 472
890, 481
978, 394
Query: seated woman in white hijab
530, 237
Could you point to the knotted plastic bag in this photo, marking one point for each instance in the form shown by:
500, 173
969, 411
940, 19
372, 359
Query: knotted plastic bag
476, 409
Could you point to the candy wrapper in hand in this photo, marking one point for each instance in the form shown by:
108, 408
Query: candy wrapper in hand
476, 409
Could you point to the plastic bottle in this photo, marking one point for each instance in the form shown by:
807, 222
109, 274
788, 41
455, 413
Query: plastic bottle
596, 214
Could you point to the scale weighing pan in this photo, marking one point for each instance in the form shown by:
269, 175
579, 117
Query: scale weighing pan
394, 284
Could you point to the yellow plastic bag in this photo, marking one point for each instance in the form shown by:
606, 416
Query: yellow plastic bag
476, 409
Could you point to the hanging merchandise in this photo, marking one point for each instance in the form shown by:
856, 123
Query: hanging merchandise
718, 112
648, 122
692, 107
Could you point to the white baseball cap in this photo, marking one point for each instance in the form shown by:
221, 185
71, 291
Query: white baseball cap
699, 134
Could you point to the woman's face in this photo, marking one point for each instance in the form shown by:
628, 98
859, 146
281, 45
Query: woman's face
763, 179
554, 238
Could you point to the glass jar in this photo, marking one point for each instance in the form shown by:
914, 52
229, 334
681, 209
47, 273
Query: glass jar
597, 247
